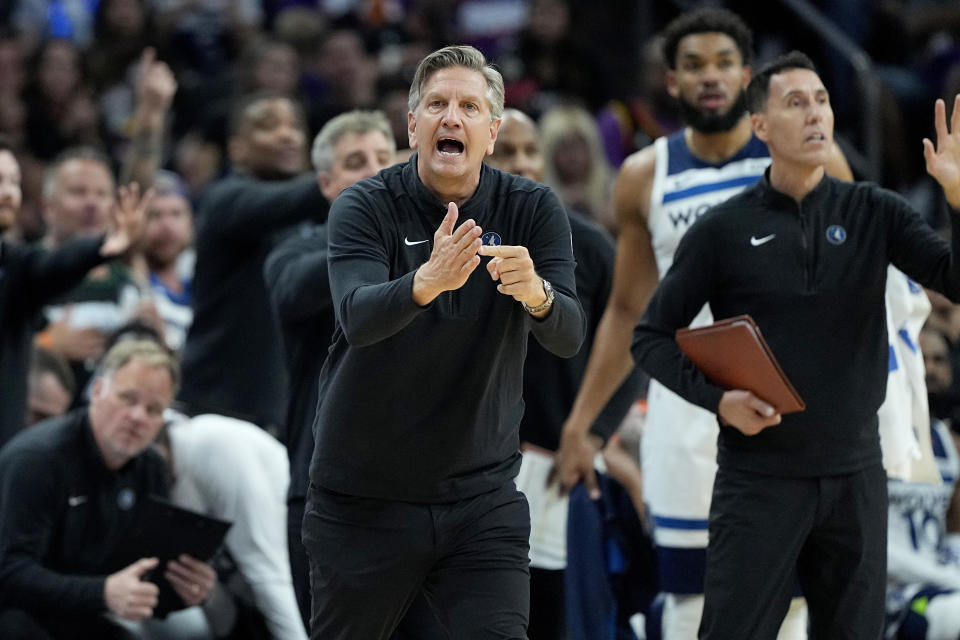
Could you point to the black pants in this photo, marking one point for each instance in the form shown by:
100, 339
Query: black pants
419, 622
832, 530
370, 558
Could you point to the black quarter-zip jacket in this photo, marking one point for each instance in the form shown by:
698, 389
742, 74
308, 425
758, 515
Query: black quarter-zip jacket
812, 275
422, 404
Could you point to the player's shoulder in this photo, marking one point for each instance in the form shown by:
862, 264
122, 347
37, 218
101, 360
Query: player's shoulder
640, 165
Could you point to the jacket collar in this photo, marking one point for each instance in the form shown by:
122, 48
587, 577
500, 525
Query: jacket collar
426, 198
815, 198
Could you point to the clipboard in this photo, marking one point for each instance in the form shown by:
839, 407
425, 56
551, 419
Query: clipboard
165, 531
733, 354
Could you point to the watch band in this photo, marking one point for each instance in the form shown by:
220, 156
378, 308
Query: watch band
546, 304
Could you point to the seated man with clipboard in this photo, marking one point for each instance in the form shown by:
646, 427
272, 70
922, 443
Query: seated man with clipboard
73, 492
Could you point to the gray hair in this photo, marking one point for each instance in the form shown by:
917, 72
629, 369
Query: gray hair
51, 176
146, 351
356, 121
459, 56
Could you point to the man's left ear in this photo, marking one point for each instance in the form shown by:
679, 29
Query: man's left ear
494, 131
747, 76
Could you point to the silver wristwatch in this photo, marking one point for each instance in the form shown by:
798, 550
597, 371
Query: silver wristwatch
546, 304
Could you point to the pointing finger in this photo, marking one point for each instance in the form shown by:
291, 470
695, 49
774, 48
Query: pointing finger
500, 251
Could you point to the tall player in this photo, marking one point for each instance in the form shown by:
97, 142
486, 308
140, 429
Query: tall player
660, 192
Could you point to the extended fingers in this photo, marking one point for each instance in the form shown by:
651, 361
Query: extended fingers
129, 195
940, 121
446, 227
466, 240
955, 116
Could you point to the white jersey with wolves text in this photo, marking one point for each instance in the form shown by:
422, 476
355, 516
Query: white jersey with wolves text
679, 447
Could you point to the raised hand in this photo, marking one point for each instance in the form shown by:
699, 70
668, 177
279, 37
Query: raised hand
127, 217
943, 161
127, 595
452, 260
156, 84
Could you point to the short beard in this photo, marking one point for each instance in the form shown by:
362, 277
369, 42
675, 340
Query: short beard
713, 122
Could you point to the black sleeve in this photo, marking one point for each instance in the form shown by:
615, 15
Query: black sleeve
368, 305
245, 208
31, 498
917, 250
681, 294
296, 277
48, 274
561, 332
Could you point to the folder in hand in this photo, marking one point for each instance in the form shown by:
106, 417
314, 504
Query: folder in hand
165, 531
733, 354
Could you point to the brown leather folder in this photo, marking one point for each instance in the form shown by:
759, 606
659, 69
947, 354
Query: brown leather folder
733, 354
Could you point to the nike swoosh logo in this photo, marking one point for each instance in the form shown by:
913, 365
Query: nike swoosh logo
74, 501
410, 244
756, 242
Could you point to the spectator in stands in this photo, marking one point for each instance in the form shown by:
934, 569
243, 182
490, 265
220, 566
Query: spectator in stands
167, 249
61, 111
348, 73
67, 19
78, 200
50, 386
575, 164
550, 63
123, 29
33, 277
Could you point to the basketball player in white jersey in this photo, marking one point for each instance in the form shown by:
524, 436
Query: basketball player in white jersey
661, 191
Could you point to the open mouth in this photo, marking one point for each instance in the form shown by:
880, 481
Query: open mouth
816, 137
450, 147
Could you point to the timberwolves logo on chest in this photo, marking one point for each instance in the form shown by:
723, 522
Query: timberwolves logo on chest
126, 498
836, 235
491, 239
